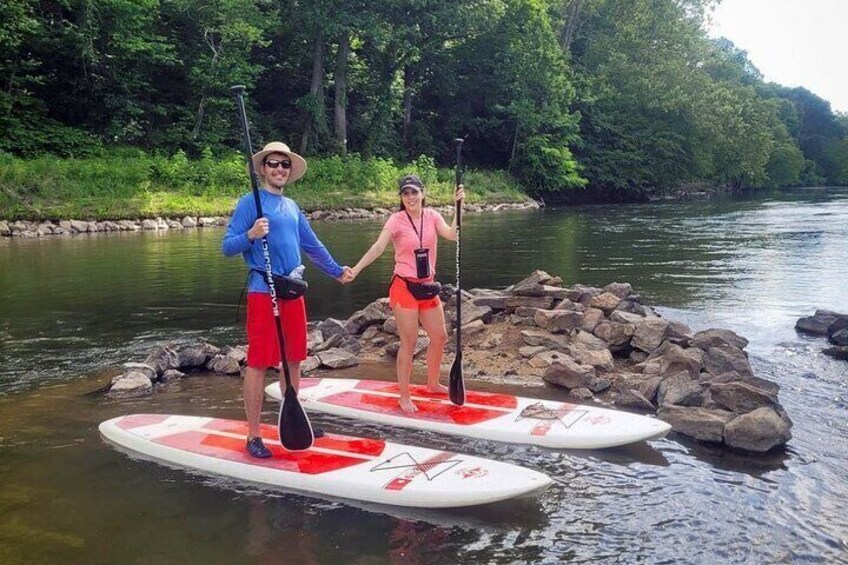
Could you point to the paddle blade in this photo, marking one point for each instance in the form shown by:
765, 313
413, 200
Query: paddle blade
456, 386
295, 427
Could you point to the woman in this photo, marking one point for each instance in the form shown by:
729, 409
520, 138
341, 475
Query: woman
414, 232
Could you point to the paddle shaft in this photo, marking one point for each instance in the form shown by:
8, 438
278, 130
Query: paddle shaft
238, 90
456, 384
458, 212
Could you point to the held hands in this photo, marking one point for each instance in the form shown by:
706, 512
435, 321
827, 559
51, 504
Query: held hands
459, 193
347, 276
260, 229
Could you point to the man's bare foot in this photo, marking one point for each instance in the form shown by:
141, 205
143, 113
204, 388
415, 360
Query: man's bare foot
407, 406
438, 388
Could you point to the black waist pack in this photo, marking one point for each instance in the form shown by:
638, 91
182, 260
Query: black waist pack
287, 288
423, 291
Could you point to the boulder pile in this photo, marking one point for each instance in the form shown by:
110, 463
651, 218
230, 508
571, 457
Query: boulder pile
598, 343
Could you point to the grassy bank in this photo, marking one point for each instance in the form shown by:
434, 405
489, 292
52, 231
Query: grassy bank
126, 184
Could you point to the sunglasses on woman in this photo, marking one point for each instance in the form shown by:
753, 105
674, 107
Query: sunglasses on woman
274, 164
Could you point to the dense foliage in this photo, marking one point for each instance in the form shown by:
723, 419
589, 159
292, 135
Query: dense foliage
630, 98
127, 183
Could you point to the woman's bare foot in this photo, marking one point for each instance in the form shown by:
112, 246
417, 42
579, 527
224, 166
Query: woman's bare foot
437, 388
407, 406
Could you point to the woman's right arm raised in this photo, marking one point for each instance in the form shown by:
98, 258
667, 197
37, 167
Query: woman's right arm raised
374, 252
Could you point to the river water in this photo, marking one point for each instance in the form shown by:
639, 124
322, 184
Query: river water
73, 308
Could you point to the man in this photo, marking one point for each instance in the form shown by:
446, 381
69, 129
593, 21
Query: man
288, 231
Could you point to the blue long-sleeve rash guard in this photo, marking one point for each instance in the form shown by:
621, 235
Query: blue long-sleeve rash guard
289, 233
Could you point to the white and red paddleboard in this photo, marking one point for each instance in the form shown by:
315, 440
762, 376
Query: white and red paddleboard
485, 415
369, 470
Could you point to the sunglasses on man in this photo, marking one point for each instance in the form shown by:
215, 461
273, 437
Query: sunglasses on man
273, 163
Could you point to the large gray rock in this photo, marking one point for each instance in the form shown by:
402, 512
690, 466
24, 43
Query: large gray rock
543, 338
837, 352
681, 390
621, 290
726, 358
649, 334
192, 357
839, 338
143, 368
679, 334
163, 358
582, 294
337, 358
591, 319
375, 313
757, 431
716, 338
331, 327
601, 359
493, 301
558, 321
615, 334
669, 359
632, 398
570, 374
606, 301
818, 323
131, 384
531, 285
698, 423
646, 386
741, 397
224, 364
546, 359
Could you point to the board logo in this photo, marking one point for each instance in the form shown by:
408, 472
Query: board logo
473, 473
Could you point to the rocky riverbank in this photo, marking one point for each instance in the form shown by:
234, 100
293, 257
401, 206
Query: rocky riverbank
34, 229
833, 326
600, 344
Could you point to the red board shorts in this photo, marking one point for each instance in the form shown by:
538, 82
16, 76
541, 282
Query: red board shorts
263, 349
399, 295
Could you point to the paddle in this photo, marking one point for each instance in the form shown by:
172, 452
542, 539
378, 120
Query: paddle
456, 387
295, 428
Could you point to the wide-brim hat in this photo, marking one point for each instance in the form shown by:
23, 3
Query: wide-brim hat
298, 168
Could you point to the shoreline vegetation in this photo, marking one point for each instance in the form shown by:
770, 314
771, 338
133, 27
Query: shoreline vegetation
130, 185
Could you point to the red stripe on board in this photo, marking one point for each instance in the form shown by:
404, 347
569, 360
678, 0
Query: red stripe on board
544, 426
138, 420
427, 409
482, 398
306, 382
400, 482
232, 449
353, 445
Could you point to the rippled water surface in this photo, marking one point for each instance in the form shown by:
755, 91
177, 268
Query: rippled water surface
72, 309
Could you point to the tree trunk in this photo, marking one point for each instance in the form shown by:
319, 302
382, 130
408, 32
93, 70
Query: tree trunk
572, 13
340, 103
316, 91
209, 37
407, 105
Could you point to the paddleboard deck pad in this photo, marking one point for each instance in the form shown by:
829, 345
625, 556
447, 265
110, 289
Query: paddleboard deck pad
371, 470
485, 415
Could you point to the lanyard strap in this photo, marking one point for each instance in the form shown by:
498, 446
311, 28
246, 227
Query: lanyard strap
421, 233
